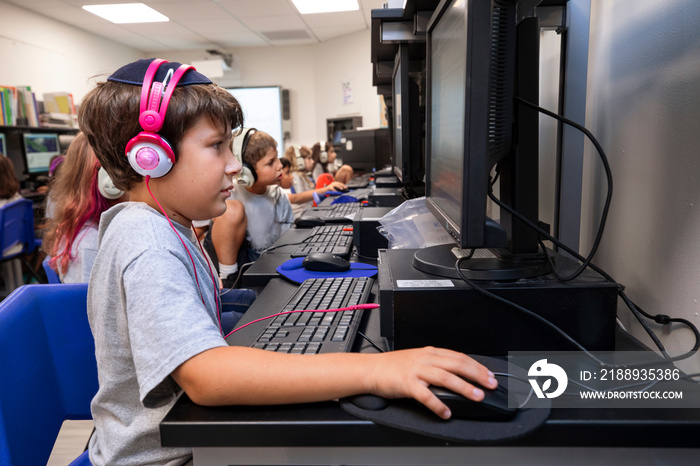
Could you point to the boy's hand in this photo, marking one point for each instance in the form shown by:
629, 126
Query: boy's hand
408, 373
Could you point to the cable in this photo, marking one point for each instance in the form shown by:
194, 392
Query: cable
355, 307
524, 310
369, 340
660, 318
194, 267
586, 262
608, 175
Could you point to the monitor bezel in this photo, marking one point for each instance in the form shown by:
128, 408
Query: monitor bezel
3, 144
469, 230
43, 169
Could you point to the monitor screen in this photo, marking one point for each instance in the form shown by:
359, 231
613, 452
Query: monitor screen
398, 114
468, 125
478, 54
407, 124
262, 109
3, 145
39, 148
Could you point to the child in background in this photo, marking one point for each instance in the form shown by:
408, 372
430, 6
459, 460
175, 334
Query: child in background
78, 195
257, 213
9, 184
303, 189
287, 179
151, 304
324, 156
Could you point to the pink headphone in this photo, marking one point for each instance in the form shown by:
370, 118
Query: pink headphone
150, 154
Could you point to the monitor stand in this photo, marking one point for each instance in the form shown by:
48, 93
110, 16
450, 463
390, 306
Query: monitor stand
485, 264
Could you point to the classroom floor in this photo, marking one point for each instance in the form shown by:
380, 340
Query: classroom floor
70, 443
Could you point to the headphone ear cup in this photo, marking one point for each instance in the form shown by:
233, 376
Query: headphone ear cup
106, 187
301, 164
150, 155
323, 155
247, 177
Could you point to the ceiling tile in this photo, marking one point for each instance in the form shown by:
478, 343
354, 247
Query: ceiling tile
250, 9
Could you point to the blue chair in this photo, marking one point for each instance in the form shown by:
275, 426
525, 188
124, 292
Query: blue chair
47, 368
16, 239
51, 274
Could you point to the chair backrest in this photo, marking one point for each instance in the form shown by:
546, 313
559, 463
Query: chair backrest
16, 228
51, 274
47, 368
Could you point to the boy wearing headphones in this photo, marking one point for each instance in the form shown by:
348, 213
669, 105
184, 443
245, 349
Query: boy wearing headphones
153, 301
258, 211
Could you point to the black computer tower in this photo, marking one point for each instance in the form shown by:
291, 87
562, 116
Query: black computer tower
418, 309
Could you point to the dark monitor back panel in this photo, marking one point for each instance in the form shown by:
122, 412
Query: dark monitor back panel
365, 149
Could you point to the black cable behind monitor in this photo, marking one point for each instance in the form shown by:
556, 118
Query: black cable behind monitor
586, 262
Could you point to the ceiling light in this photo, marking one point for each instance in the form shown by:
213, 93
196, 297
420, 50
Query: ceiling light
307, 7
126, 13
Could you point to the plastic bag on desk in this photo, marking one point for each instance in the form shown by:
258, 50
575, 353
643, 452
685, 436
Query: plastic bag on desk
412, 226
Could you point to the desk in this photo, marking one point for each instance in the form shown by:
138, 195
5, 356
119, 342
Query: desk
322, 433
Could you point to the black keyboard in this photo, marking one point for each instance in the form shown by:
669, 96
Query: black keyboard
343, 210
335, 239
318, 332
360, 181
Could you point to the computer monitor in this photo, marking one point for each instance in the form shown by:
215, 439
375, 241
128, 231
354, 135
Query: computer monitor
472, 50
406, 123
3, 145
363, 149
39, 148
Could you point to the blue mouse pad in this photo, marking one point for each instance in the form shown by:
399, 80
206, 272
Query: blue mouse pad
409, 415
345, 199
294, 271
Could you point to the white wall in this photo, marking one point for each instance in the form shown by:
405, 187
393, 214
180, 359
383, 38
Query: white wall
51, 56
313, 74
642, 104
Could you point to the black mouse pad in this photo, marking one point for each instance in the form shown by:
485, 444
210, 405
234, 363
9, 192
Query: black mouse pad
409, 415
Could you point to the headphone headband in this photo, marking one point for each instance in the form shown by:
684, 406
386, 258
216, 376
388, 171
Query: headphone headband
149, 154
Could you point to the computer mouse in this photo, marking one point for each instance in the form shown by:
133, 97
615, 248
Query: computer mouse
309, 222
325, 262
494, 406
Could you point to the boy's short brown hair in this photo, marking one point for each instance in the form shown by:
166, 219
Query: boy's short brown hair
258, 146
109, 117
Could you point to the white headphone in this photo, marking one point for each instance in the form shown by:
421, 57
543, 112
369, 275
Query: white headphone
301, 164
323, 155
106, 186
247, 177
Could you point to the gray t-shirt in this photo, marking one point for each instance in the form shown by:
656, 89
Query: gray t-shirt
83, 252
301, 183
269, 215
148, 317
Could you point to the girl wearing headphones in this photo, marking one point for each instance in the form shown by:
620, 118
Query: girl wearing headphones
324, 157
78, 194
303, 189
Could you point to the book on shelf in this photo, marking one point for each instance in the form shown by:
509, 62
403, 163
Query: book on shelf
59, 102
9, 105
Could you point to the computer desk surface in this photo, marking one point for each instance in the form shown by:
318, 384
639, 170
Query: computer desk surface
264, 269
322, 433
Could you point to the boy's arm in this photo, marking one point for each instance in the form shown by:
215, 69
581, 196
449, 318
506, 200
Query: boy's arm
306, 196
247, 376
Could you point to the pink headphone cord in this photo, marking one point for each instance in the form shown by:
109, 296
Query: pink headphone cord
355, 307
194, 267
